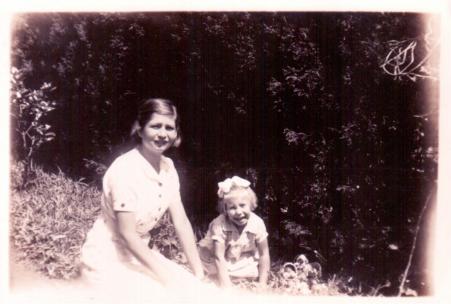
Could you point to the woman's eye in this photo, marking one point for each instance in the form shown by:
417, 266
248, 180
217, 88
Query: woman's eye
155, 126
170, 128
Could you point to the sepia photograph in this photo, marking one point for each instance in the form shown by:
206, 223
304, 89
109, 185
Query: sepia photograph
180, 156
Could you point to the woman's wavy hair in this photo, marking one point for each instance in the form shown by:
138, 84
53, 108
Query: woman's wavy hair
149, 106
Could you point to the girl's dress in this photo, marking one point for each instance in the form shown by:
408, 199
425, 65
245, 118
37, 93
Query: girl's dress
130, 184
241, 252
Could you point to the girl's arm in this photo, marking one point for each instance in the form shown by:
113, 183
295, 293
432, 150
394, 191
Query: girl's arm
264, 262
126, 229
220, 263
185, 234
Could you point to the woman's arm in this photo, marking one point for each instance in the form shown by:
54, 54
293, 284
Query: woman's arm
185, 234
126, 229
264, 262
220, 263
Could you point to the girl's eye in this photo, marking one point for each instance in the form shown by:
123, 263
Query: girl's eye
157, 126
169, 128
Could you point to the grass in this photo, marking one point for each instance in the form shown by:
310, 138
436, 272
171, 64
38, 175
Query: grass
50, 218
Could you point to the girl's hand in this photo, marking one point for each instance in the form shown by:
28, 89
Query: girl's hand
262, 287
264, 263
226, 284
220, 263
200, 276
185, 234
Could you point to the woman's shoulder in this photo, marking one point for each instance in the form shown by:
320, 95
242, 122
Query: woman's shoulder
168, 162
128, 156
123, 163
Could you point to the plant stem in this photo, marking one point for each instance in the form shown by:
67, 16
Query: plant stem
412, 250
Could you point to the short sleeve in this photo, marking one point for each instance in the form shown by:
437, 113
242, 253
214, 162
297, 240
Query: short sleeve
216, 231
119, 193
260, 231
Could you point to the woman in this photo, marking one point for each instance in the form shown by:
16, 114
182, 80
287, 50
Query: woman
138, 188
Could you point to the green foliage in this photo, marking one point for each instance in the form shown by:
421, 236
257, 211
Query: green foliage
49, 221
340, 154
29, 110
164, 239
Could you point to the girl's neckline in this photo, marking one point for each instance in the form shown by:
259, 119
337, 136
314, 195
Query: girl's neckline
238, 229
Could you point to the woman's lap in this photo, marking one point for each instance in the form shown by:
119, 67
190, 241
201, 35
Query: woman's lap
129, 281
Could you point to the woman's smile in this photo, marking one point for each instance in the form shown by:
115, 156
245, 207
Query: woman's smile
161, 142
159, 133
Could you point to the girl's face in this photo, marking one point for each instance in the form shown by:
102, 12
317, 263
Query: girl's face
159, 133
238, 209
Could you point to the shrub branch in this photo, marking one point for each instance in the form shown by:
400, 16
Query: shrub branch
414, 243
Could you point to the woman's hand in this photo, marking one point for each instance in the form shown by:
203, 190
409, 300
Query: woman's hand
185, 234
220, 263
126, 229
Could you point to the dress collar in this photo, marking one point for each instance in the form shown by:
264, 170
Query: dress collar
164, 164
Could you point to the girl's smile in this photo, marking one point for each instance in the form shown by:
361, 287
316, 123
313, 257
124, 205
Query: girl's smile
238, 211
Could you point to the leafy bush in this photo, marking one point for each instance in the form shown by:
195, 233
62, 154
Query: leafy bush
301, 278
49, 221
163, 238
29, 108
342, 154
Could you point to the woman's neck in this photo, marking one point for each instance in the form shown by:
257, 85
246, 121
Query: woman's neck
153, 159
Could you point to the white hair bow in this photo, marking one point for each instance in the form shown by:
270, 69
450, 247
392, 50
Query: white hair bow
225, 186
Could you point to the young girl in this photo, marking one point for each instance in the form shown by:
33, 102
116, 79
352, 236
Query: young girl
236, 245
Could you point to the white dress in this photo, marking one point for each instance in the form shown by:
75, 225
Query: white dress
110, 274
130, 184
241, 248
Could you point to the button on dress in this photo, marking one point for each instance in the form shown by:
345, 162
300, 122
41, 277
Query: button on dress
130, 184
241, 252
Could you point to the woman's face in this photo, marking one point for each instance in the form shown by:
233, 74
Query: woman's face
159, 133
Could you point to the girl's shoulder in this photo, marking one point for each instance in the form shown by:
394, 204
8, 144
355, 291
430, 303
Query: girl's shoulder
218, 224
220, 220
256, 218
256, 221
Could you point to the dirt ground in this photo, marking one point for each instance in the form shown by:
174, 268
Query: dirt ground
28, 286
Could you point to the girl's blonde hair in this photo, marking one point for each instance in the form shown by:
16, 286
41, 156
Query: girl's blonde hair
232, 187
